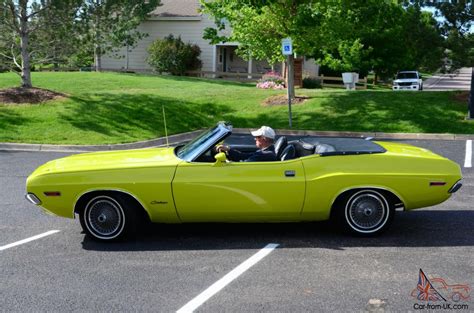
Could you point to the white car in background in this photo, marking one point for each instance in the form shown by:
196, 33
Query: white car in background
408, 80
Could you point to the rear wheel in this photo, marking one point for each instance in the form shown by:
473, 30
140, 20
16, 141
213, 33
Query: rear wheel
364, 212
108, 218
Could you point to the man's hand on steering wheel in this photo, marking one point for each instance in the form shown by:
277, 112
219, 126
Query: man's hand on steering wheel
222, 148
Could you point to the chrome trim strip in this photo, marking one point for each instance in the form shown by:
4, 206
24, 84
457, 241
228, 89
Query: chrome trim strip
456, 186
223, 131
31, 197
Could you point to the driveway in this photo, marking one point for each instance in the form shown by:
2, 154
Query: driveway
443, 82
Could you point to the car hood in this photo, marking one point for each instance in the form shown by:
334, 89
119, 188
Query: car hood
110, 160
406, 80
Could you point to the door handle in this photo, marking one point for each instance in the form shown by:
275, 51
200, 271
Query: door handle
290, 173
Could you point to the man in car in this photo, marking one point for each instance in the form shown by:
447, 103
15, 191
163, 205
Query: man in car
264, 138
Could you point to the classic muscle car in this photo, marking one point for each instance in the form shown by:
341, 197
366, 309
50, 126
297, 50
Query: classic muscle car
358, 183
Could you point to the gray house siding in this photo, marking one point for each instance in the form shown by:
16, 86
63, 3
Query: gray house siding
190, 29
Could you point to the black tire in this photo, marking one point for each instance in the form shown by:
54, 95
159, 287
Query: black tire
109, 218
364, 212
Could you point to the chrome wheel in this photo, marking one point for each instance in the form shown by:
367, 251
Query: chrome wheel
367, 212
104, 218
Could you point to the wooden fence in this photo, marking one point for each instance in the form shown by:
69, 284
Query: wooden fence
328, 81
230, 75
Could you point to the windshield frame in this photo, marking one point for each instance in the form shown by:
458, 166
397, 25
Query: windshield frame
199, 145
405, 75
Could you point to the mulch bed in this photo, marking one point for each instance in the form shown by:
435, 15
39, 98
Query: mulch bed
28, 95
461, 96
283, 100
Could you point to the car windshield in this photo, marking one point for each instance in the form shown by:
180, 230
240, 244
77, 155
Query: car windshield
406, 76
187, 152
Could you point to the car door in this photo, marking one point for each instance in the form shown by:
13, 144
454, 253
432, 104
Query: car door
239, 191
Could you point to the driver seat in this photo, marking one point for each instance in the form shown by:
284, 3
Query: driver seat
280, 145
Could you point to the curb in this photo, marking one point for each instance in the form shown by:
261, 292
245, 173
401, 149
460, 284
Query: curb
175, 139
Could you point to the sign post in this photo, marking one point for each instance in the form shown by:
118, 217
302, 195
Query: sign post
287, 49
470, 104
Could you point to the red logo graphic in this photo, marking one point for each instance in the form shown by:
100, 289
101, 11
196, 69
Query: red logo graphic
436, 289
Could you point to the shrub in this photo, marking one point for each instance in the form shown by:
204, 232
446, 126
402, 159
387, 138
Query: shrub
311, 83
271, 80
174, 56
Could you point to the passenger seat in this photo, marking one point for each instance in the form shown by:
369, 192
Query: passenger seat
288, 153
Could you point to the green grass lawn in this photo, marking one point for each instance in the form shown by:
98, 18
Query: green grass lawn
117, 108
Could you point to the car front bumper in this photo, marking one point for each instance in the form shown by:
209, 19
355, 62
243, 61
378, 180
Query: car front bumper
412, 87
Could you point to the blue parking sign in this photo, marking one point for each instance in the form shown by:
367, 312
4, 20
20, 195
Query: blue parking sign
286, 46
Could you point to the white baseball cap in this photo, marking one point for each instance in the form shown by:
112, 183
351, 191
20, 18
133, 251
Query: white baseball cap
264, 131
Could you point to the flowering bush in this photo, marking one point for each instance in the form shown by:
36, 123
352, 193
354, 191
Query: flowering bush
271, 80
269, 85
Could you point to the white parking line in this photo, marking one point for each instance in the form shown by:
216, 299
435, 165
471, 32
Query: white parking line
227, 279
11, 245
468, 159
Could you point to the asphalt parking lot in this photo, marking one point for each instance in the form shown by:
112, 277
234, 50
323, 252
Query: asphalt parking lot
312, 269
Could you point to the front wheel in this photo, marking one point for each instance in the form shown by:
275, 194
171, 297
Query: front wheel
364, 212
108, 218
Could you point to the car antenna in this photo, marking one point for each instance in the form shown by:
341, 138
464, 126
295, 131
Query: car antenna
166, 131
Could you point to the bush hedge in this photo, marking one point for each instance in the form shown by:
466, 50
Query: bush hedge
173, 56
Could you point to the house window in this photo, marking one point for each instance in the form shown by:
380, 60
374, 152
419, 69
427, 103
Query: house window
221, 52
231, 56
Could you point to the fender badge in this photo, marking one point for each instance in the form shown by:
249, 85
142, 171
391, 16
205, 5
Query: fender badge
159, 202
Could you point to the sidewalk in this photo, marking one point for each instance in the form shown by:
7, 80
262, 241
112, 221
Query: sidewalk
180, 138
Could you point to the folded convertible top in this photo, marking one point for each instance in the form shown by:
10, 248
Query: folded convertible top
326, 146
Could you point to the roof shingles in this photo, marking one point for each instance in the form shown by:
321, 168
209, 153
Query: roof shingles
177, 8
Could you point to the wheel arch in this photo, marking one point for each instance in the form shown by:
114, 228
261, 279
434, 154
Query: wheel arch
392, 197
85, 197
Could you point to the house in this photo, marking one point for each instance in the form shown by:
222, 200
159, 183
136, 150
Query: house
183, 18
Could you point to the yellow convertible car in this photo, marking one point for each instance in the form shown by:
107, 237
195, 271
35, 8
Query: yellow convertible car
358, 183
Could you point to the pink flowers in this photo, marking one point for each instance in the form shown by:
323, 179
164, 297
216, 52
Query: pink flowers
271, 80
269, 85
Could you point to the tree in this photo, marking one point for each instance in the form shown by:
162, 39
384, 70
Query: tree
457, 27
17, 25
111, 24
258, 26
174, 56
343, 35
379, 36
58, 31
23, 26
57, 41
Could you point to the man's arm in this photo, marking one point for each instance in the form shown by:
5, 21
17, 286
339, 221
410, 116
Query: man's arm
236, 155
260, 156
